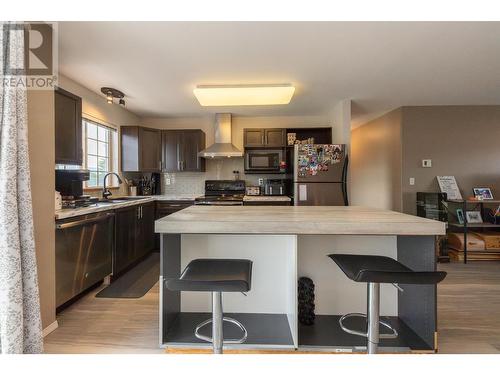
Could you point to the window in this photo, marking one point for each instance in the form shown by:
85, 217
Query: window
99, 146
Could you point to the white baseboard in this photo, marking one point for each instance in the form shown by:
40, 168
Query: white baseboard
50, 328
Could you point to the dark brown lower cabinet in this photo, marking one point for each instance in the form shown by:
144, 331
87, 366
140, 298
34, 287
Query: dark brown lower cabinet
134, 235
165, 208
146, 229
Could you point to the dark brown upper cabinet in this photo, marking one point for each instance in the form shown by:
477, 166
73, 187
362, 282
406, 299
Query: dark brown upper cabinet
68, 128
140, 149
180, 150
273, 137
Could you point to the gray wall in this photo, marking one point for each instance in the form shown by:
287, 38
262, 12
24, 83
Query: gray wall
376, 163
462, 141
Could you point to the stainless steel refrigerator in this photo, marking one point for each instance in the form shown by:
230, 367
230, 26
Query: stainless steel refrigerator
320, 175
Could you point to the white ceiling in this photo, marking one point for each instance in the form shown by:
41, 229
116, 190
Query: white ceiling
379, 65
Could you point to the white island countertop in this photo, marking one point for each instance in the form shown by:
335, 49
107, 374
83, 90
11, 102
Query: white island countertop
351, 220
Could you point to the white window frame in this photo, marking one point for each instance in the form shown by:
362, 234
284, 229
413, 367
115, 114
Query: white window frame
112, 153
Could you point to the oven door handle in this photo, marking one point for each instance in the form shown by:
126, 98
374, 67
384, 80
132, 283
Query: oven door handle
78, 223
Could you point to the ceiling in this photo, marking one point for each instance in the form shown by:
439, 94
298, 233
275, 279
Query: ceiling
378, 65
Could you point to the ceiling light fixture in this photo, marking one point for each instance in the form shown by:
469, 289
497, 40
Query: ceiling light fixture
234, 95
112, 93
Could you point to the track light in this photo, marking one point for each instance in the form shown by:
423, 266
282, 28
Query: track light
112, 94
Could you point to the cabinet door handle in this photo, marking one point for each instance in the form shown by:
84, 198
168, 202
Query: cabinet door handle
262, 139
160, 164
141, 212
138, 212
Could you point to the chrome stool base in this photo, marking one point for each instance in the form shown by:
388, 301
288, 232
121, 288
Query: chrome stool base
217, 321
372, 321
225, 319
392, 335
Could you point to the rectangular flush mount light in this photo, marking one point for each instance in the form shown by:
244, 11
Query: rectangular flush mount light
229, 95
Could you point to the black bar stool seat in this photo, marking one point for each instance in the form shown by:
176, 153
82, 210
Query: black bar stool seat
374, 270
214, 275
217, 276
380, 269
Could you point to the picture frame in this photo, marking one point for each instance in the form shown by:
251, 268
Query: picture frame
473, 217
460, 216
483, 193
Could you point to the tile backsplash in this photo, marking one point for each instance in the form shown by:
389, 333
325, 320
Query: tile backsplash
216, 169
183, 183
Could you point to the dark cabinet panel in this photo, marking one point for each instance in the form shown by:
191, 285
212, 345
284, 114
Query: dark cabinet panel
134, 235
68, 128
170, 144
253, 137
150, 145
125, 238
140, 149
273, 137
145, 229
193, 141
180, 150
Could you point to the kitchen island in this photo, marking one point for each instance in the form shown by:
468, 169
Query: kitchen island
288, 242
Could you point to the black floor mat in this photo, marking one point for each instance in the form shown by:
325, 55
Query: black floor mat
136, 282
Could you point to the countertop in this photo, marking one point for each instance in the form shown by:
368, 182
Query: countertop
72, 212
266, 198
296, 220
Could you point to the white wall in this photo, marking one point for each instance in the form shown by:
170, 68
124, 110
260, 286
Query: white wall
94, 106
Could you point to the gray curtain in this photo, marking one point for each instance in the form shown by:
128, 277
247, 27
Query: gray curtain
20, 324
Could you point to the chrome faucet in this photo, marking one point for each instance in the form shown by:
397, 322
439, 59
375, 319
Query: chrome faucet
105, 191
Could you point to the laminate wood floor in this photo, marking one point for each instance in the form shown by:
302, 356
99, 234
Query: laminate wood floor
469, 308
468, 317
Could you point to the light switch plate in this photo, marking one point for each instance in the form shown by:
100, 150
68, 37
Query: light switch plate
412, 181
426, 163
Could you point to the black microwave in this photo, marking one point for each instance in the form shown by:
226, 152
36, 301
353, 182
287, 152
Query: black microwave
264, 161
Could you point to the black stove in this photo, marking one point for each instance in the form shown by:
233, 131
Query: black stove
222, 193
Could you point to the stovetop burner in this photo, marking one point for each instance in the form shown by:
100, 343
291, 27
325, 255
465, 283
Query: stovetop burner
222, 192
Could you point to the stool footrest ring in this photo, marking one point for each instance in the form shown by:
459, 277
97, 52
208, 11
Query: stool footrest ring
392, 335
226, 319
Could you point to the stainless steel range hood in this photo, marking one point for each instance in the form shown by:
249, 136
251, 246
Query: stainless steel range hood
222, 148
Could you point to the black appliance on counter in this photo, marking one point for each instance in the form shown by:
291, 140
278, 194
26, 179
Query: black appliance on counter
274, 187
69, 182
222, 193
264, 160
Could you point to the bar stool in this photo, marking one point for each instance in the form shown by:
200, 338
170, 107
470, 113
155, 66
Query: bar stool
216, 276
373, 270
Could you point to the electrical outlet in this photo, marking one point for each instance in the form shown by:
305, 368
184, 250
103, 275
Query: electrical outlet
261, 181
426, 163
412, 181
167, 181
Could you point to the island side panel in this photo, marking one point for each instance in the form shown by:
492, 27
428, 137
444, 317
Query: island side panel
170, 267
335, 293
417, 305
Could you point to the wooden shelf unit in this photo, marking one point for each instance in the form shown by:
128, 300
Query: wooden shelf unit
467, 205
